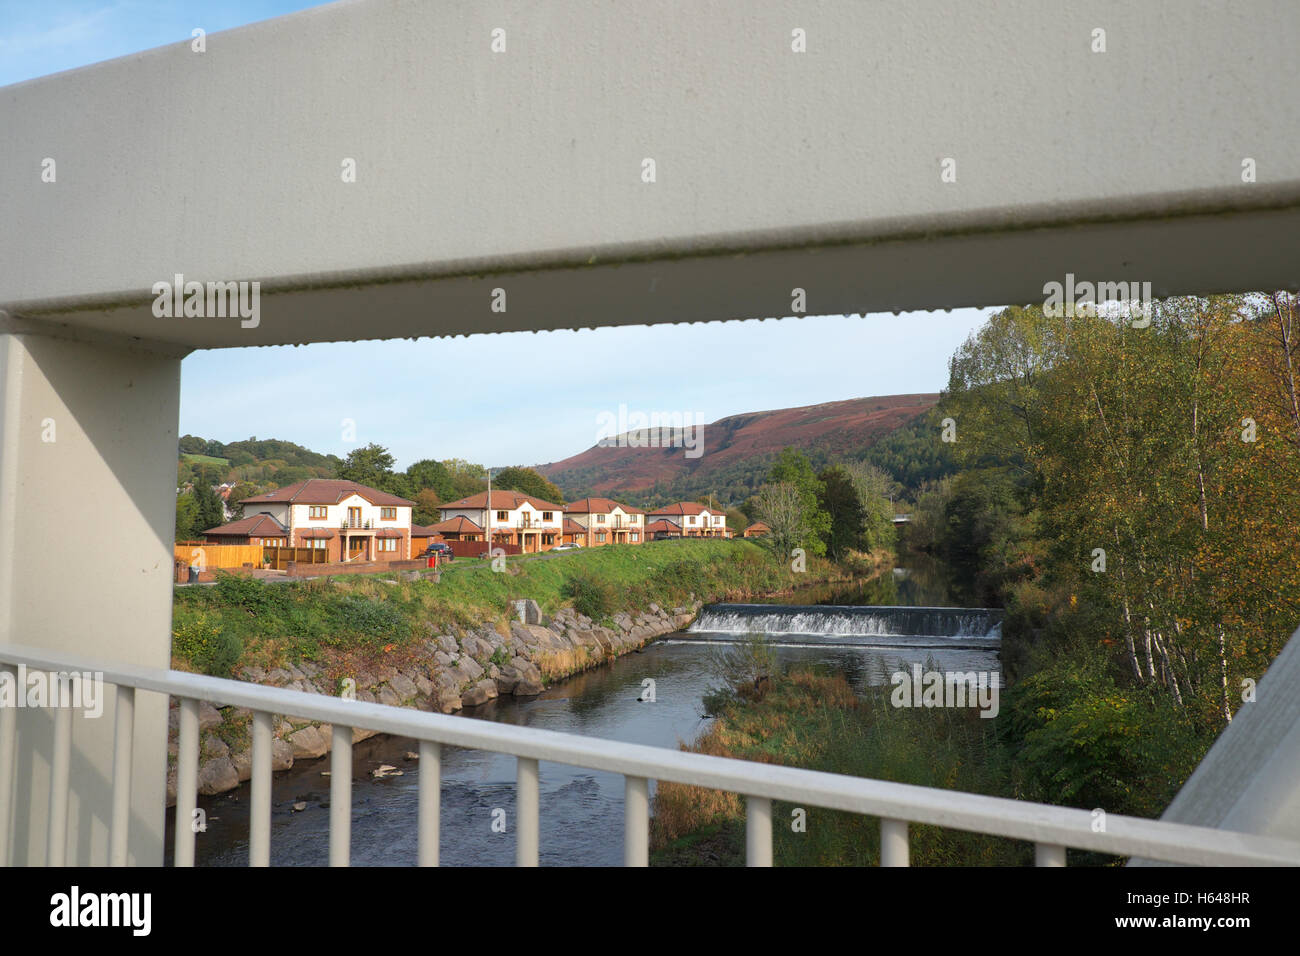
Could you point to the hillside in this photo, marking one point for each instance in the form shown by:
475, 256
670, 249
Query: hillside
270, 462
737, 451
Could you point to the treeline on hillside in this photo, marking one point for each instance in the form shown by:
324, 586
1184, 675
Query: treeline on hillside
908, 455
840, 511
1131, 494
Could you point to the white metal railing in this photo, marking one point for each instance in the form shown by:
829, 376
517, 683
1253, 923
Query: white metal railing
1052, 829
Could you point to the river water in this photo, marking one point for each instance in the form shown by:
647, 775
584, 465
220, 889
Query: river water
582, 810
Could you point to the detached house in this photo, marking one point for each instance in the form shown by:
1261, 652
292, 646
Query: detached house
349, 521
516, 519
686, 519
592, 522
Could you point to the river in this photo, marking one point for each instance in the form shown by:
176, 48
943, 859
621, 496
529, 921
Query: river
582, 810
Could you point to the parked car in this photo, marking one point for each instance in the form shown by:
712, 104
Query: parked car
441, 548
567, 547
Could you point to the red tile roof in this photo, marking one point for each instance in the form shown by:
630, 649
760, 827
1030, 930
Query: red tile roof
259, 524
599, 506
683, 508
572, 527
326, 491
501, 501
757, 526
316, 533
458, 525
663, 524
420, 531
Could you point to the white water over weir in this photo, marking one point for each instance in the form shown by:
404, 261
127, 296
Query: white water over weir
871, 626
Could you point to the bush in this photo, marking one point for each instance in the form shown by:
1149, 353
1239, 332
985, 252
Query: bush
592, 596
355, 616
202, 643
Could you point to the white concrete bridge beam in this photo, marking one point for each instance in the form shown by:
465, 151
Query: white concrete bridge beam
87, 511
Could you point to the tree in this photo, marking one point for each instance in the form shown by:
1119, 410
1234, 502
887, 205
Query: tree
426, 510
235, 500
780, 506
528, 482
841, 502
187, 513
792, 467
429, 474
876, 491
209, 510
371, 465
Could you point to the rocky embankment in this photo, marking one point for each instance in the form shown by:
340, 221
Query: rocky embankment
451, 671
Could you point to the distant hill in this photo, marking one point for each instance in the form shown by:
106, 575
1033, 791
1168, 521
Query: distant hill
260, 461
737, 451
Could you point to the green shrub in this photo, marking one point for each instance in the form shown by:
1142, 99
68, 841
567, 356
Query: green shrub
593, 596
355, 616
202, 643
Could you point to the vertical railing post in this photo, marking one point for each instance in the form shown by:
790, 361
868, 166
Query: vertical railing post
636, 821
123, 760
893, 843
430, 799
8, 755
1049, 854
526, 809
341, 797
758, 831
259, 810
56, 844
187, 781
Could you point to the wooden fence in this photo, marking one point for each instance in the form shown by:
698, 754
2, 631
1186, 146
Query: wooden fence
202, 555
279, 558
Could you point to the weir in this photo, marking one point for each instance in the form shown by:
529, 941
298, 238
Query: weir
883, 625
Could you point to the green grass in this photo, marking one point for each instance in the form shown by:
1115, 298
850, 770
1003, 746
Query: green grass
275, 622
205, 460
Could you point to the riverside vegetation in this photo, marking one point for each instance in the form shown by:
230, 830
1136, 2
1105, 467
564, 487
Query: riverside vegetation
453, 642
1130, 496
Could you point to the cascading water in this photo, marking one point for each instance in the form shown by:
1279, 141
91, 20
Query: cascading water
884, 626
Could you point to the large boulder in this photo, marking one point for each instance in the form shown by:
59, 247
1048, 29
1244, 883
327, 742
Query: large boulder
403, 685
480, 693
309, 743
217, 776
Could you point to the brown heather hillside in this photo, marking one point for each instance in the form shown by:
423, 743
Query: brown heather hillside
738, 448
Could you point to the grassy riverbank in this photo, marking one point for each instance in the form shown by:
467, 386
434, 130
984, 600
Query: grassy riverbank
815, 721
246, 621
1066, 736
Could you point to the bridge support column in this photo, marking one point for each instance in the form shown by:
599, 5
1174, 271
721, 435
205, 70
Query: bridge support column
87, 478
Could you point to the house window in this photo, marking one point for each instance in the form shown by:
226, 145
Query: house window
316, 511
690, 520
388, 544
546, 516
634, 536
319, 543
600, 537
600, 519
388, 514
503, 515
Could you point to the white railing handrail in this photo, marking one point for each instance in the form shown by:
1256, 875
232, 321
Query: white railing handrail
1043, 824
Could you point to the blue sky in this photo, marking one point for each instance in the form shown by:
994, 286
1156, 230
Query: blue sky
307, 394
